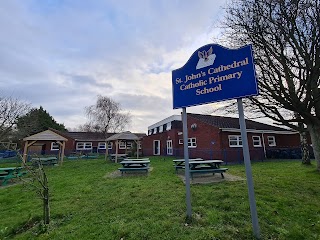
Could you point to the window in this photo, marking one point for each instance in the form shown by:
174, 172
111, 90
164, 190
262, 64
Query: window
122, 145
154, 130
54, 146
161, 129
129, 145
101, 145
84, 145
272, 141
168, 127
235, 141
192, 142
256, 141
110, 145
150, 132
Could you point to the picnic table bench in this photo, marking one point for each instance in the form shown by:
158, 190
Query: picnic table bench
180, 163
198, 165
10, 172
49, 161
134, 165
120, 157
206, 166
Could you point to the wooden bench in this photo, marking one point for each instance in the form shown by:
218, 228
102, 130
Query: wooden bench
131, 169
208, 170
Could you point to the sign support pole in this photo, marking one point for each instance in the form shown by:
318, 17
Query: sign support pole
247, 162
186, 160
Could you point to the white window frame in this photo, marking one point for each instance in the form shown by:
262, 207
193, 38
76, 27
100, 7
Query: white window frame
192, 142
85, 145
169, 126
256, 139
169, 147
271, 141
154, 130
122, 145
101, 145
161, 129
180, 141
110, 144
55, 146
129, 145
236, 139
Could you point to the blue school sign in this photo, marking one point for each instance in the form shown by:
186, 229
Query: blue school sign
214, 73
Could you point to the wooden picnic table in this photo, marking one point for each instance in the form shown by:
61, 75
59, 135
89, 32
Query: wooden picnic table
45, 160
179, 163
198, 165
131, 165
10, 172
211, 163
206, 166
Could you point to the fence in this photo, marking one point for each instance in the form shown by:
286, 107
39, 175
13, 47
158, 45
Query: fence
235, 155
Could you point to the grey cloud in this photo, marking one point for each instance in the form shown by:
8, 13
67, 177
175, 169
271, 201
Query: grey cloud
142, 102
61, 54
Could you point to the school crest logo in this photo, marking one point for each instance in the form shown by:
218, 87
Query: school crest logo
206, 58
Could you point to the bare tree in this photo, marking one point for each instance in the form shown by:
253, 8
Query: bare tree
10, 110
105, 116
286, 40
38, 182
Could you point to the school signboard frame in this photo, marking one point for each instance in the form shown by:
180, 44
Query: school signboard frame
214, 73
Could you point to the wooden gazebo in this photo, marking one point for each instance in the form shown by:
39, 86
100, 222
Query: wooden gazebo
46, 135
124, 136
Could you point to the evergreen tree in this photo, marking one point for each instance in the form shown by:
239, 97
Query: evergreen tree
37, 120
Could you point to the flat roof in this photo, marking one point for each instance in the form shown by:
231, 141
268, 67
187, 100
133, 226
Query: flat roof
164, 121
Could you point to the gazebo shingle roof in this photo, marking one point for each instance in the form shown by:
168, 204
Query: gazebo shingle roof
123, 136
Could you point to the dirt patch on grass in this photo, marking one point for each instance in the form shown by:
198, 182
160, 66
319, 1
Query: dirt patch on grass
117, 174
210, 178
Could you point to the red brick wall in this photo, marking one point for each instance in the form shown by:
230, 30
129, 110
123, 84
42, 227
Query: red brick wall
213, 143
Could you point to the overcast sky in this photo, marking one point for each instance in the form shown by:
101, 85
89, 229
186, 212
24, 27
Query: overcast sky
60, 54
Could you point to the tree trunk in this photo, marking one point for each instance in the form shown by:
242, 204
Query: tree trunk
46, 208
304, 149
314, 131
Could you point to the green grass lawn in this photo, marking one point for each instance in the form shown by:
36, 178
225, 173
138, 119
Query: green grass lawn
85, 204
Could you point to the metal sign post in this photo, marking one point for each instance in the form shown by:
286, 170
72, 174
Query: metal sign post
247, 162
186, 161
215, 73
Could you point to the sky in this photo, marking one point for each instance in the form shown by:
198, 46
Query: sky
61, 54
